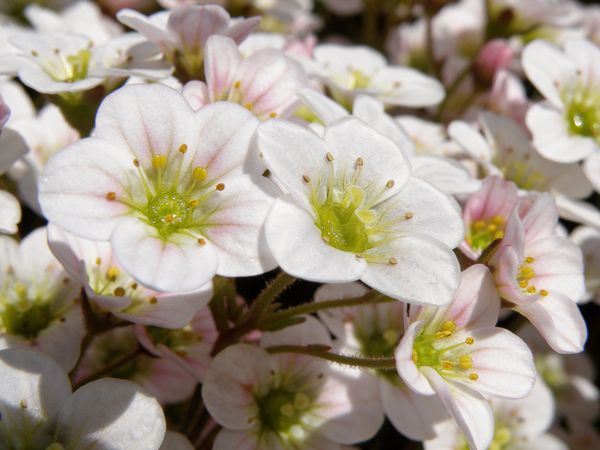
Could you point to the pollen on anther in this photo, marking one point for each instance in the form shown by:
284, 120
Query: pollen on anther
153, 300
248, 106
183, 148
447, 365
473, 376
360, 162
201, 242
390, 184
112, 273
23, 403
306, 178
529, 260
531, 289
111, 196
393, 261
136, 163
408, 215
98, 261
543, 292
465, 362
159, 161
469, 340
329, 156
237, 84
34, 53
272, 115
199, 173
220, 187
119, 292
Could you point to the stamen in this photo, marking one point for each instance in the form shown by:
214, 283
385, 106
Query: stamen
183, 148
119, 292
237, 84
469, 340
199, 174
220, 187
98, 261
248, 106
447, 365
408, 215
543, 292
272, 115
390, 184
393, 261
153, 300
306, 178
159, 161
112, 273
359, 162
529, 260
465, 362
329, 156
473, 376
111, 196
201, 242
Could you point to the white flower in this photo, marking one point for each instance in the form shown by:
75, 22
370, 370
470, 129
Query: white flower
348, 71
39, 411
566, 128
459, 355
518, 425
273, 401
588, 239
38, 300
166, 186
354, 212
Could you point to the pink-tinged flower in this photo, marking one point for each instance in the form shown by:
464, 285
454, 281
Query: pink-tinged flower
540, 274
265, 82
348, 71
566, 127
444, 174
494, 56
182, 33
352, 211
505, 150
486, 213
161, 378
167, 187
518, 425
588, 240
176, 441
111, 289
38, 300
272, 401
459, 355
39, 410
188, 346
374, 331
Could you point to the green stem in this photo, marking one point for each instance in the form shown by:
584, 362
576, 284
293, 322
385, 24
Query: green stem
323, 352
371, 298
269, 294
217, 305
451, 89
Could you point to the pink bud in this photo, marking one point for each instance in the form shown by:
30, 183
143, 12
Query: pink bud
495, 55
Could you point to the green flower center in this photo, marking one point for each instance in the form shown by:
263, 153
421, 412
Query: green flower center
25, 317
502, 438
482, 233
582, 111
381, 344
523, 174
168, 212
177, 340
280, 409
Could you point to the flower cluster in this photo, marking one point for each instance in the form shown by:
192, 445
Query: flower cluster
299, 224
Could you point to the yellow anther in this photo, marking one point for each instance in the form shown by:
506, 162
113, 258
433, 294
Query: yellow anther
119, 292
237, 84
220, 187
287, 410
415, 356
201, 242
543, 292
473, 376
98, 261
492, 227
479, 225
134, 286
136, 163
34, 53
442, 334
23, 403
306, 178
469, 340
199, 173
449, 325
498, 220
393, 261
153, 300
159, 161
193, 203
447, 365
531, 289
169, 218
390, 184
523, 284
183, 148
465, 362
248, 106
499, 234
408, 215
272, 115
112, 273
360, 162
529, 260
329, 156
111, 196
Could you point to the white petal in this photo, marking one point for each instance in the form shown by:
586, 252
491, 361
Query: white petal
178, 265
176, 441
32, 391
584, 55
470, 140
559, 320
111, 413
76, 182
193, 25
407, 87
12, 147
298, 247
577, 211
426, 271
548, 69
310, 332
222, 60
146, 120
405, 365
446, 175
469, 409
10, 213
326, 109
228, 439
412, 414
591, 167
551, 137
